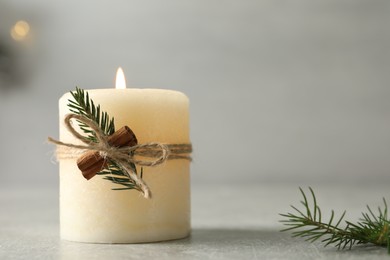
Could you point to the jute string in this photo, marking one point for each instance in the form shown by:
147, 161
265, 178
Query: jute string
123, 156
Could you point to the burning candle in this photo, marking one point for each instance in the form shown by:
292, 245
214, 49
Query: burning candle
90, 211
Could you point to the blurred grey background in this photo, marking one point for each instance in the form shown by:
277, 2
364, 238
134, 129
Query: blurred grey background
280, 90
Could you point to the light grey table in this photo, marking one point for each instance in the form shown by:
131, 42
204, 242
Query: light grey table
237, 221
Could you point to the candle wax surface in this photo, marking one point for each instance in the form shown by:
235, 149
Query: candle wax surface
90, 211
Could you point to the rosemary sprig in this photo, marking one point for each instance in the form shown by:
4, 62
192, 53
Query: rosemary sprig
308, 224
84, 105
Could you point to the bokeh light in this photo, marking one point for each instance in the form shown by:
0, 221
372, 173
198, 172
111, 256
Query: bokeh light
20, 30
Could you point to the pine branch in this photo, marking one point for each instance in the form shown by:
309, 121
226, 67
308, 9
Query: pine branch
308, 224
84, 105
114, 174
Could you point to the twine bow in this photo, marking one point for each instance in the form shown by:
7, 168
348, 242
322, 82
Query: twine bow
125, 156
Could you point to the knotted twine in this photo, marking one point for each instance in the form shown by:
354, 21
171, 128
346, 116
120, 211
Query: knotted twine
123, 156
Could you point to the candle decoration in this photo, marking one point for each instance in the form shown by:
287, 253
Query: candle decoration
111, 153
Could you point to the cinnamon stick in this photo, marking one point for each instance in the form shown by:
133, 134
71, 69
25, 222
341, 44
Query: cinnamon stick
91, 162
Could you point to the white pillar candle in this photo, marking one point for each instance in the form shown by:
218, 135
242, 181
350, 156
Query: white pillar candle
91, 212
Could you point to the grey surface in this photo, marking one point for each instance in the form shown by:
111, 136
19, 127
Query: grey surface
229, 222
281, 90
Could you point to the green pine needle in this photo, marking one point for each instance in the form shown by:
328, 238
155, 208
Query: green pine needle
84, 105
308, 224
114, 174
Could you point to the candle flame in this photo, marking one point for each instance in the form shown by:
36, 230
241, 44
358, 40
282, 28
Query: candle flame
120, 82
